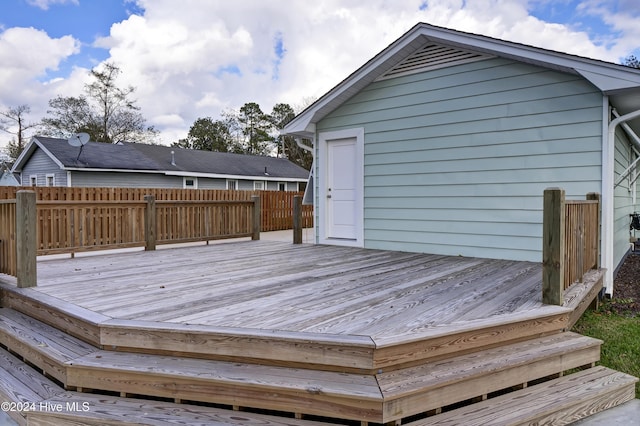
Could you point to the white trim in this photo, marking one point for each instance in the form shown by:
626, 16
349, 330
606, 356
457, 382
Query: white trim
608, 194
607, 190
184, 182
323, 139
608, 77
53, 179
31, 180
183, 174
69, 179
235, 183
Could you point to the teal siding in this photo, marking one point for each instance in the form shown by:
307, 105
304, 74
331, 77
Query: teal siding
457, 159
623, 197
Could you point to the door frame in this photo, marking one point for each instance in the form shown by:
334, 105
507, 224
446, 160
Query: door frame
324, 139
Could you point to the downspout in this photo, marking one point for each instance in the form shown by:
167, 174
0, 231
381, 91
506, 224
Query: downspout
303, 146
635, 145
608, 196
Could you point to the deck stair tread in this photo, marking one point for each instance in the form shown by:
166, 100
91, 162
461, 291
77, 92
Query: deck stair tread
101, 410
490, 362
560, 401
20, 383
29, 385
51, 405
43, 345
232, 373
440, 383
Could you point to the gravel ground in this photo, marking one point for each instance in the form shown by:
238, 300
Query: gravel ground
626, 288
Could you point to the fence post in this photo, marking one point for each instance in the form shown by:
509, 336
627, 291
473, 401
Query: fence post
553, 249
26, 238
596, 197
256, 217
297, 219
150, 223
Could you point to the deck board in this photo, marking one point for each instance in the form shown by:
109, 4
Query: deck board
298, 288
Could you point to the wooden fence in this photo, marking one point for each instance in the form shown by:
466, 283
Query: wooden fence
277, 206
29, 228
8, 263
571, 242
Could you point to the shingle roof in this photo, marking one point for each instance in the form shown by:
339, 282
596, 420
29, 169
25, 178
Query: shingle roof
132, 156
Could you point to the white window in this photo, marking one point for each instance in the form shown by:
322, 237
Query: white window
51, 180
258, 185
190, 182
232, 184
33, 180
282, 186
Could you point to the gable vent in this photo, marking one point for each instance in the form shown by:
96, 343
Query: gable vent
433, 56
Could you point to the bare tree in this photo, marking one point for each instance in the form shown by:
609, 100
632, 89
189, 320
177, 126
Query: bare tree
13, 120
106, 112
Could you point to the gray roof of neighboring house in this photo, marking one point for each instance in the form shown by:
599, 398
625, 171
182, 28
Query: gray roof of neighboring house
159, 158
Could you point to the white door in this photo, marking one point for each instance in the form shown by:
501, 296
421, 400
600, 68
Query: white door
342, 189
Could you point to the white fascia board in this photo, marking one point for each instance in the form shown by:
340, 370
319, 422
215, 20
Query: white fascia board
29, 150
608, 81
304, 123
605, 76
189, 174
241, 177
88, 169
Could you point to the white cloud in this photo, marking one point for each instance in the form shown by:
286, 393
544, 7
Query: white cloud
202, 57
44, 4
26, 54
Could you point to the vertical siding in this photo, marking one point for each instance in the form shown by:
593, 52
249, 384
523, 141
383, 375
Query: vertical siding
40, 164
623, 197
457, 159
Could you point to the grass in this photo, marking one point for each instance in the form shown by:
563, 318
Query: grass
621, 335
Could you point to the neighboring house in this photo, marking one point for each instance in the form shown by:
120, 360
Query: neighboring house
445, 141
54, 162
6, 177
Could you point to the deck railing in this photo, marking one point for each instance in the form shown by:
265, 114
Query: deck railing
29, 228
277, 206
571, 242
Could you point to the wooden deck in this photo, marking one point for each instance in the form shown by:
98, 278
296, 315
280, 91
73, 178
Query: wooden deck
265, 285
346, 333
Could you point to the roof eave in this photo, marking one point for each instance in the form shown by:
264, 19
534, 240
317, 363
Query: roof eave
606, 77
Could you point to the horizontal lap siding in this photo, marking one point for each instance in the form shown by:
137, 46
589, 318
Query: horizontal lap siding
457, 159
125, 179
41, 165
623, 197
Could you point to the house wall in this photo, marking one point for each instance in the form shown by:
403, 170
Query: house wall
456, 159
155, 180
624, 199
119, 179
41, 165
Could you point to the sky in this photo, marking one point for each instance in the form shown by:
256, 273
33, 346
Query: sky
188, 59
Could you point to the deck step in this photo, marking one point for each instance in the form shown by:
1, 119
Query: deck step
384, 397
42, 345
72, 408
44, 403
22, 385
560, 401
293, 390
437, 384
